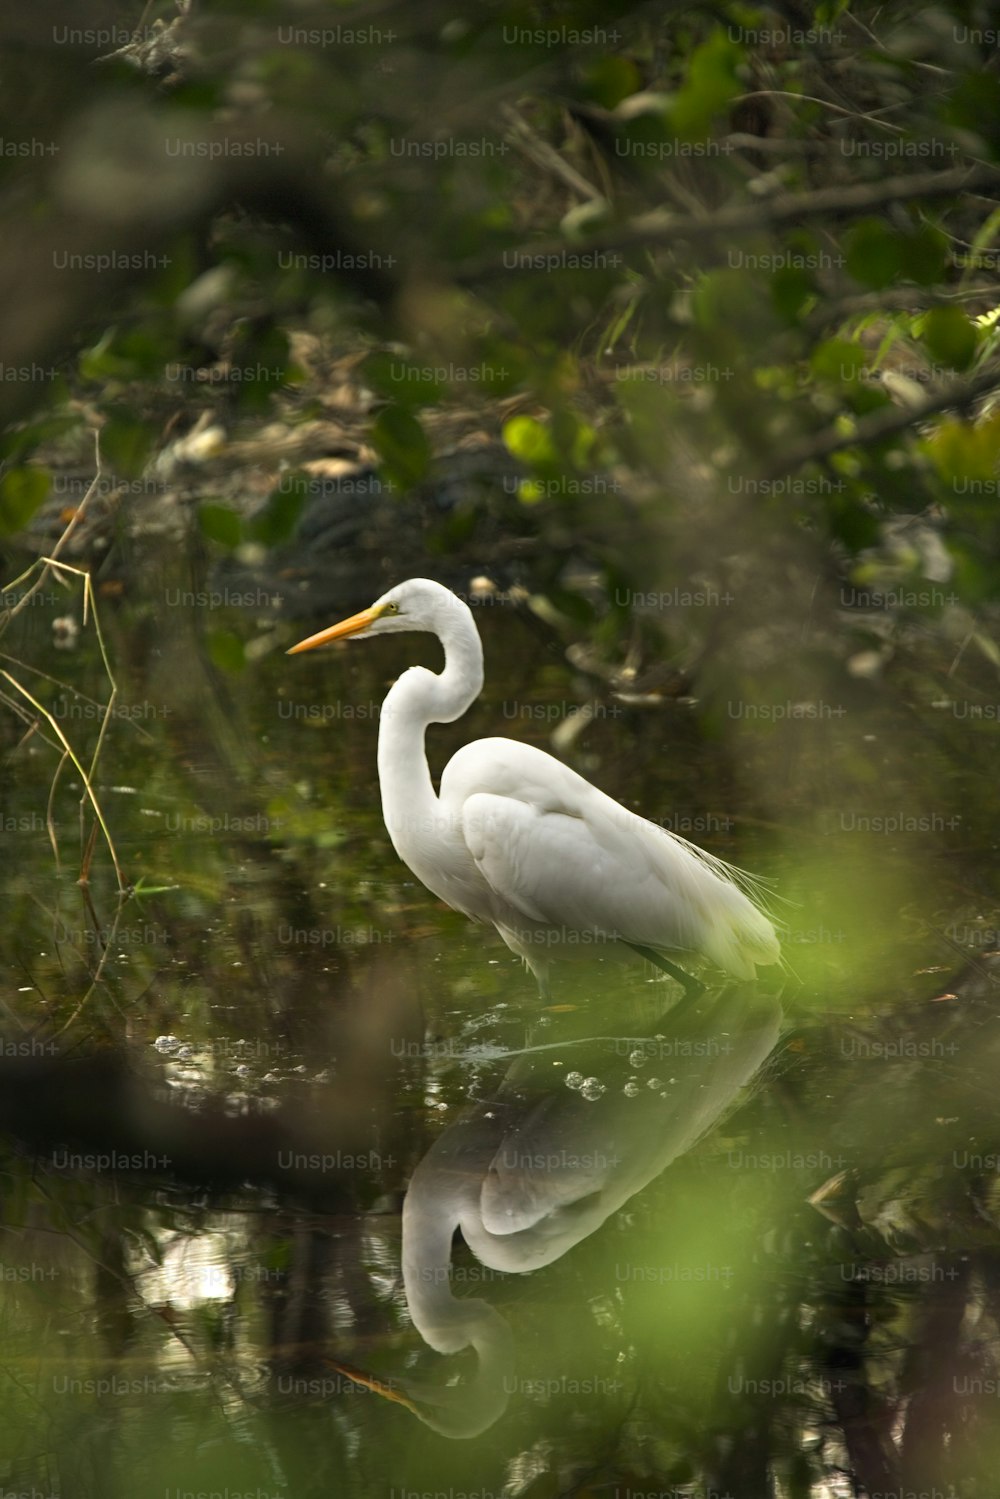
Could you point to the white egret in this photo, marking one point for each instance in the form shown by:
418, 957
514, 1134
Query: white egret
518, 839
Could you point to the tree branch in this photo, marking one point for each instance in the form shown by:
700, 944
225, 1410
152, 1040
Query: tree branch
958, 395
658, 227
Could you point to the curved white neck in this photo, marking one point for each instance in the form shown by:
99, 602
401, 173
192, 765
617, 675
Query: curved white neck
421, 697
448, 1323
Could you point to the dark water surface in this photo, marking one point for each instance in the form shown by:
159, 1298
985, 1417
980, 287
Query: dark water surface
743, 1246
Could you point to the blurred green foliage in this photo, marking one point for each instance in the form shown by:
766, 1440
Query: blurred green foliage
720, 282
226, 179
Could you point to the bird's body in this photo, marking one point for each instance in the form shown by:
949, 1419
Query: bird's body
517, 838
562, 870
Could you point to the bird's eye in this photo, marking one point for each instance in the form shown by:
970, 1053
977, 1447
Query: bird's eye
392, 608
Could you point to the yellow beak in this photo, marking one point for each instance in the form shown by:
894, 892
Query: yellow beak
377, 1386
337, 632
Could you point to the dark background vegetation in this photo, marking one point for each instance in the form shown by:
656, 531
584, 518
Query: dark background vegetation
671, 338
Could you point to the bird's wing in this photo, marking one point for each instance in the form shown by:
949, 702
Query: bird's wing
557, 851
566, 870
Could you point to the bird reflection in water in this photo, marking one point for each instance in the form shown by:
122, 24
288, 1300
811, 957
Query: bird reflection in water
535, 1169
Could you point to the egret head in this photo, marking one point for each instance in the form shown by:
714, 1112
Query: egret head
417, 604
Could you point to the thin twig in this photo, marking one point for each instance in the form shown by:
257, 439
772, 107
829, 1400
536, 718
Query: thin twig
547, 157
658, 227
43, 576
50, 821
853, 114
88, 788
98, 973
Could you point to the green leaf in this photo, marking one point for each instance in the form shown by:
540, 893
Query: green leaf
966, 450
276, 522
792, 289
530, 440
126, 441
19, 442
101, 363
923, 255
530, 491
402, 445
226, 651
949, 336
871, 253
876, 255
853, 524
979, 252
573, 439
220, 524
611, 80
22, 490
720, 299
838, 359
402, 382
711, 85
259, 366
134, 354
974, 104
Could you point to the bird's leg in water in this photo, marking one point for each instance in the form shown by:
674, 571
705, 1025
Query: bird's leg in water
692, 987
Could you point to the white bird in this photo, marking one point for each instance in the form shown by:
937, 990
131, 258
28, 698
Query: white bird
536, 1167
518, 839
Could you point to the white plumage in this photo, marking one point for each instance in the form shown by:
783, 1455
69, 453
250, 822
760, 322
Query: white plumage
519, 839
